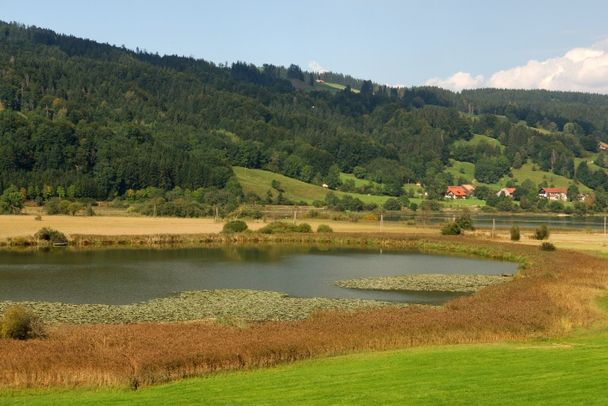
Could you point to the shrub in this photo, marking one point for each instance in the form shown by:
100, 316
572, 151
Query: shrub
547, 246
392, 204
253, 212
465, 222
74, 207
515, 232
324, 228
20, 324
89, 211
303, 228
431, 205
56, 206
451, 228
235, 226
50, 235
541, 233
279, 227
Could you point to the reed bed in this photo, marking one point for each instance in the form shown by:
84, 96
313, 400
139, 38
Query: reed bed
555, 293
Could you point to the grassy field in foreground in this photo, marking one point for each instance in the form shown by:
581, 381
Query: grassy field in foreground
555, 372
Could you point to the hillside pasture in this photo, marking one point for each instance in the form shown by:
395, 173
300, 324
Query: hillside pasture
259, 182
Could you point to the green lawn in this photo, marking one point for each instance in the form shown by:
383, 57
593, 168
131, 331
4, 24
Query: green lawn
260, 181
569, 371
459, 203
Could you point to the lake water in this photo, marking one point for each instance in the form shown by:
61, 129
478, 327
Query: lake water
121, 276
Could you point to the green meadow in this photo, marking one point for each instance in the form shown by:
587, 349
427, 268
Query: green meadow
557, 372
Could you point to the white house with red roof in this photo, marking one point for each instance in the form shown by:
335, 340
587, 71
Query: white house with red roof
457, 192
553, 193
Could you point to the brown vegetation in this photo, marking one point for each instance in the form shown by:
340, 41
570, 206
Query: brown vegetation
554, 294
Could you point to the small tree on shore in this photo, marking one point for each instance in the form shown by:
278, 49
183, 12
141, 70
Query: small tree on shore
541, 233
451, 228
515, 236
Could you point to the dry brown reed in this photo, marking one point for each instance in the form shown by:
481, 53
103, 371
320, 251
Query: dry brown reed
554, 294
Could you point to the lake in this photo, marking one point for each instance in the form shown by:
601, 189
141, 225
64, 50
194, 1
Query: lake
122, 276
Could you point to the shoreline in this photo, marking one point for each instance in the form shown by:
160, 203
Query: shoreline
554, 296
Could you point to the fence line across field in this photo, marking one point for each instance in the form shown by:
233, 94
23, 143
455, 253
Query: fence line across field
480, 221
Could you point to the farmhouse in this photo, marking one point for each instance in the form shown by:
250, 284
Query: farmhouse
506, 191
603, 146
457, 192
553, 193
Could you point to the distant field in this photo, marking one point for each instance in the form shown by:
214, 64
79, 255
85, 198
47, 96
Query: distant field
539, 176
260, 181
461, 169
333, 87
358, 182
590, 162
568, 371
477, 138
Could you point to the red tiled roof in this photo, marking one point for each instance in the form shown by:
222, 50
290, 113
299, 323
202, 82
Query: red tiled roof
554, 190
458, 191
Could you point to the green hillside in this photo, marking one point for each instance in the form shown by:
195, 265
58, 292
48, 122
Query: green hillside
103, 122
459, 169
259, 182
538, 176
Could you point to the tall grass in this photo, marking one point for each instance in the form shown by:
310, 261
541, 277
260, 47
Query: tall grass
554, 294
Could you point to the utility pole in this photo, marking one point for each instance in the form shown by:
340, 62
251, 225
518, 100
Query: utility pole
295, 215
381, 221
493, 227
605, 227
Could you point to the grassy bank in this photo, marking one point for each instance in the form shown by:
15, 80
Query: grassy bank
567, 371
555, 295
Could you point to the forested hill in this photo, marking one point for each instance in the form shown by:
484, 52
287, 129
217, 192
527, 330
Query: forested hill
99, 120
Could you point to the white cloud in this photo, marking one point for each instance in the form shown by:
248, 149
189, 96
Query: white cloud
580, 69
458, 81
314, 66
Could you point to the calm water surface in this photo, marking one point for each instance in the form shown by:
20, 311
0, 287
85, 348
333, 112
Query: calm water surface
121, 276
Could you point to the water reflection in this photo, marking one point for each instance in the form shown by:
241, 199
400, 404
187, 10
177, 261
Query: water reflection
119, 276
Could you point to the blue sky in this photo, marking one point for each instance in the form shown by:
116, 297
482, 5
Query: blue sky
394, 42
